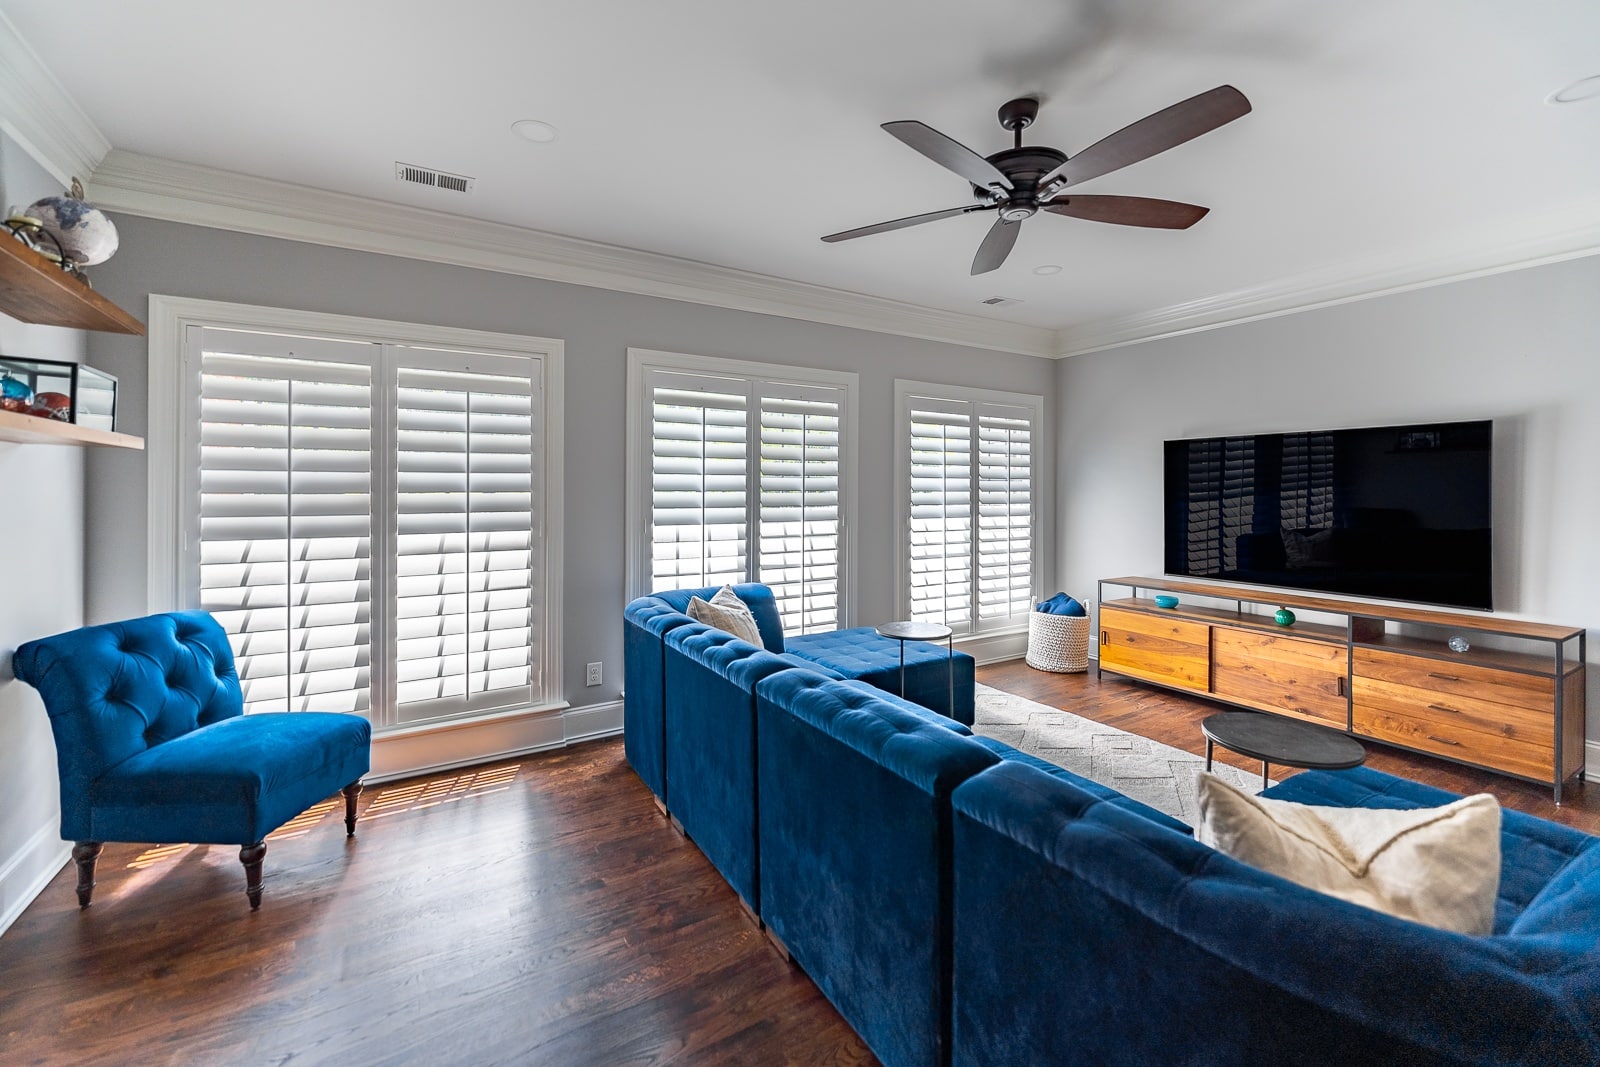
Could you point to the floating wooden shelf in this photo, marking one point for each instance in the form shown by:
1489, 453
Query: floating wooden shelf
31, 430
36, 290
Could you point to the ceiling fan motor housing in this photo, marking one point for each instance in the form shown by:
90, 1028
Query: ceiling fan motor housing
1023, 167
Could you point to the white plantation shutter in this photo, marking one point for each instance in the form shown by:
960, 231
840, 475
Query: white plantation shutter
969, 466
699, 512
284, 532
1005, 512
941, 532
799, 519
366, 523
465, 527
743, 482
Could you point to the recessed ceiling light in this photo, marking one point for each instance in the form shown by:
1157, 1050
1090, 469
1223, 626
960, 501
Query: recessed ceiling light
1582, 89
534, 130
1048, 268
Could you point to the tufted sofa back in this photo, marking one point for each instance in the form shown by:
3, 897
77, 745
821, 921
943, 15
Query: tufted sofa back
115, 690
757, 597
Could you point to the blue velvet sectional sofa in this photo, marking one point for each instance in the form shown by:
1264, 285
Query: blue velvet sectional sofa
960, 902
1120, 942
854, 653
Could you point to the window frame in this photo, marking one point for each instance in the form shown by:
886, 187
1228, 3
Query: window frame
904, 391
171, 443
639, 439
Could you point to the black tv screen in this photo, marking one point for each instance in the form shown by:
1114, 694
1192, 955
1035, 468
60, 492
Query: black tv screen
1393, 512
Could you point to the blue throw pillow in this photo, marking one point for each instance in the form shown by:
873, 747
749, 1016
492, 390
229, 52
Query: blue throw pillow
1061, 604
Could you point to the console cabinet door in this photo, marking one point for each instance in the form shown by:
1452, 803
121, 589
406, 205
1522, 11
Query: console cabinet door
1287, 675
1499, 719
1170, 651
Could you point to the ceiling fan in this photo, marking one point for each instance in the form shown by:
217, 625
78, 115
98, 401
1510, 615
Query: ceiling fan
1017, 182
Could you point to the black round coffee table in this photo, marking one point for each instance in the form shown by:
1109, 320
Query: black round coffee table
1274, 739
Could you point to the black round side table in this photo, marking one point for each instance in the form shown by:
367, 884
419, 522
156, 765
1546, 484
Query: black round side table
1275, 739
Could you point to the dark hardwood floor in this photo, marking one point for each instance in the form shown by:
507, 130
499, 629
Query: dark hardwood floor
536, 911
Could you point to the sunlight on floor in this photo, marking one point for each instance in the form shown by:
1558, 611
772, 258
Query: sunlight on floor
432, 792
152, 856
306, 819
413, 796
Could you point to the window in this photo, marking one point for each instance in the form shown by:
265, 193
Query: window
367, 521
737, 473
967, 505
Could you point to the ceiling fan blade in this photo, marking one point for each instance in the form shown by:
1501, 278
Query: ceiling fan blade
900, 224
997, 245
1129, 211
1153, 135
950, 154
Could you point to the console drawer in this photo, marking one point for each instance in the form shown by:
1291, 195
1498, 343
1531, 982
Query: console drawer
1274, 672
1470, 746
1531, 691
1170, 651
1497, 721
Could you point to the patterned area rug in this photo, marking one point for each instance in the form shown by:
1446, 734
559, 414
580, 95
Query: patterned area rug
1148, 771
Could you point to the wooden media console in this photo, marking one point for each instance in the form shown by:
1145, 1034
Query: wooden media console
1513, 702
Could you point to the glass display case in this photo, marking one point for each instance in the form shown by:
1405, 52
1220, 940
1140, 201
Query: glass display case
54, 389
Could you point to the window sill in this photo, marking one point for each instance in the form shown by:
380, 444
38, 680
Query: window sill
468, 721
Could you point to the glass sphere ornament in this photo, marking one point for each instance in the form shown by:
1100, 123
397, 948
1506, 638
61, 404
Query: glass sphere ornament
1459, 644
83, 232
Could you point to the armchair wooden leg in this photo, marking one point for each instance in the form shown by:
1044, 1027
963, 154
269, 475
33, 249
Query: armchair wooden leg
251, 856
84, 853
350, 792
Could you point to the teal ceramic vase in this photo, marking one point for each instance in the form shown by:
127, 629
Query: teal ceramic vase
1284, 616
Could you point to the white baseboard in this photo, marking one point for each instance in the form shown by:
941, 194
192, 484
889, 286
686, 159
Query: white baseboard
994, 648
593, 721
461, 744
30, 870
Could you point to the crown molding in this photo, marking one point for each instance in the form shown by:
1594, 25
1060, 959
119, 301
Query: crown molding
204, 196
1556, 236
37, 113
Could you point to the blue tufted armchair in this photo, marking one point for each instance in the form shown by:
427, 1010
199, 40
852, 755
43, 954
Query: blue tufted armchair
153, 745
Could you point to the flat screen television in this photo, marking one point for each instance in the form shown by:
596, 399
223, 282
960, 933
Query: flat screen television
1392, 512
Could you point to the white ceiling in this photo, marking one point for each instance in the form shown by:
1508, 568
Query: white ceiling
737, 132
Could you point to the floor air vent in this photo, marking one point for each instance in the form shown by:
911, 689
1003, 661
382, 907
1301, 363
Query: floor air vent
456, 183
1000, 301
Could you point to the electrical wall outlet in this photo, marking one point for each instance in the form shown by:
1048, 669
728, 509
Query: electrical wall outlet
594, 675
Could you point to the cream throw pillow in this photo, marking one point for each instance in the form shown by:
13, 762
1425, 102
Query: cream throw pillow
728, 613
1439, 866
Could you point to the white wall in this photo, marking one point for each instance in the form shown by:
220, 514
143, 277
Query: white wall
41, 590
598, 326
1522, 348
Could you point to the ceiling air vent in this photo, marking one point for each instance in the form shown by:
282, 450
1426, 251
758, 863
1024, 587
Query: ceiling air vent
456, 183
1000, 301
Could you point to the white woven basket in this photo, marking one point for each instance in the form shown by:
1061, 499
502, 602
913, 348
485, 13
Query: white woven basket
1058, 642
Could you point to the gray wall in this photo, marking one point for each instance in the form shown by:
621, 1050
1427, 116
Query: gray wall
598, 326
1522, 348
41, 587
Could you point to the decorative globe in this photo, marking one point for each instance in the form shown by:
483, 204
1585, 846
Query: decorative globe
87, 237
